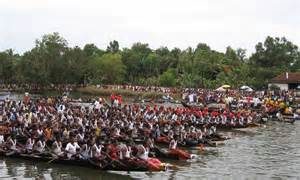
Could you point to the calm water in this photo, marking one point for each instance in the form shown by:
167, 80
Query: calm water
262, 153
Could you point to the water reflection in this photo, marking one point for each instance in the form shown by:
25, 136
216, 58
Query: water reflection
20, 169
263, 153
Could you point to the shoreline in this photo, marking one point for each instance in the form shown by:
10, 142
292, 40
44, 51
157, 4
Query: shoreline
93, 91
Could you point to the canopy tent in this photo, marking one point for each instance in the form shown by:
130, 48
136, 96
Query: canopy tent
225, 86
246, 88
221, 89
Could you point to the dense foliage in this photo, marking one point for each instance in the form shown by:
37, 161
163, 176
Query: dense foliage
53, 61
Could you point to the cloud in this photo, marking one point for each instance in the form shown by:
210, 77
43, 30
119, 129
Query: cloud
172, 23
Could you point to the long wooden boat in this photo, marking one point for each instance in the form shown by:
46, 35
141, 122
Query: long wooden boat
132, 164
237, 126
176, 154
209, 142
287, 119
284, 118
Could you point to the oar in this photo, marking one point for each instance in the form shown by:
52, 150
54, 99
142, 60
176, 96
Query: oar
54, 155
210, 143
114, 159
52, 160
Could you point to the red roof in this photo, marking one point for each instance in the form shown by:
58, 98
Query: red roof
287, 78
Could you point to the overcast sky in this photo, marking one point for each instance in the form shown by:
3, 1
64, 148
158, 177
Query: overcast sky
172, 23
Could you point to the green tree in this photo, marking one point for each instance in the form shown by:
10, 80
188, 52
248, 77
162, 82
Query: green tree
92, 49
107, 69
113, 47
8, 62
44, 63
275, 52
168, 78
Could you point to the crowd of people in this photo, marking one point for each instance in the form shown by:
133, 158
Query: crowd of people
120, 131
40, 88
136, 88
54, 124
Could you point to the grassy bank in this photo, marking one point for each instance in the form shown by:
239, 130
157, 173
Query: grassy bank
93, 90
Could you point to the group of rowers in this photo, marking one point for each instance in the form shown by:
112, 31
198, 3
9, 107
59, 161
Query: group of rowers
102, 131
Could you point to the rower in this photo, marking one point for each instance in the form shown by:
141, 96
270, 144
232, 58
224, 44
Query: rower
80, 136
40, 131
142, 152
212, 130
120, 150
156, 131
57, 148
126, 151
173, 144
170, 134
150, 143
40, 145
96, 151
48, 133
71, 148
11, 143
29, 144
85, 153
1, 139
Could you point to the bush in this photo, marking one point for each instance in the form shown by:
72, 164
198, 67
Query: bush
168, 78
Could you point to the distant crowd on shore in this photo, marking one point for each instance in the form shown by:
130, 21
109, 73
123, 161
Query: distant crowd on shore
38, 87
192, 95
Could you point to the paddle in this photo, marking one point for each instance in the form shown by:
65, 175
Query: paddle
209, 142
52, 160
114, 160
54, 155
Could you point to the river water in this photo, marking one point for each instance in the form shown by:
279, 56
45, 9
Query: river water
261, 153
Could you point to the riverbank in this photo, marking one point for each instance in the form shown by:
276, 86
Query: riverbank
94, 91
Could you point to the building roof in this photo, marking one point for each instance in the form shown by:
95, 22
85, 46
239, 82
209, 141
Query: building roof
287, 78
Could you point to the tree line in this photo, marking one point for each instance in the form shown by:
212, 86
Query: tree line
52, 61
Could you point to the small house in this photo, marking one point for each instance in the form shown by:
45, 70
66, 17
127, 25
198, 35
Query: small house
286, 81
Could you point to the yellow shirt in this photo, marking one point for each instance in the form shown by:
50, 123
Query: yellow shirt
98, 132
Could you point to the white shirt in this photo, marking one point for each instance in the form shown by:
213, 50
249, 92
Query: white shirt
1, 139
40, 146
143, 154
71, 149
173, 144
29, 144
57, 149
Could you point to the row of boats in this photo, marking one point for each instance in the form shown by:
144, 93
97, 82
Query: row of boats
159, 152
